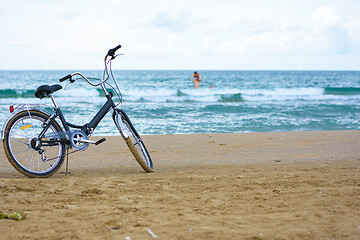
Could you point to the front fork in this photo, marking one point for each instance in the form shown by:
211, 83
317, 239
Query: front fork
118, 117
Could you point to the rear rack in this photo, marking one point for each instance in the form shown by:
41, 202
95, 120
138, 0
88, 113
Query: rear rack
16, 108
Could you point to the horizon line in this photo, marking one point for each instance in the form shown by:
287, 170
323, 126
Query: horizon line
299, 70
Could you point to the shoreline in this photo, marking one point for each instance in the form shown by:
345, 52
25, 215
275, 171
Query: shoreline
274, 185
217, 148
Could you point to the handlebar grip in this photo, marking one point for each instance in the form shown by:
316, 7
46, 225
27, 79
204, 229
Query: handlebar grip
112, 51
65, 78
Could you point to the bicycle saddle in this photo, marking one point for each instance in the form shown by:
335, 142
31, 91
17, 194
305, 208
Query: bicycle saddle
46, 90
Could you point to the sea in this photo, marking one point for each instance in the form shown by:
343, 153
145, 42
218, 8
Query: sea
165, 101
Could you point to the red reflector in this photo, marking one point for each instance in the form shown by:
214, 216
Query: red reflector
11, 108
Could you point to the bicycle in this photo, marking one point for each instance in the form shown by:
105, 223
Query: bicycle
35, 143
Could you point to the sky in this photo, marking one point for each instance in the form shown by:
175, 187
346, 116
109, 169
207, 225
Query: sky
195, 34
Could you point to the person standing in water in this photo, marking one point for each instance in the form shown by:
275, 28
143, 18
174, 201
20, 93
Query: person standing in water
196, 78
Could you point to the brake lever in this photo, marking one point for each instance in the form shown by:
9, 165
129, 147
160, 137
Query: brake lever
113, 57
67, 85
70, 81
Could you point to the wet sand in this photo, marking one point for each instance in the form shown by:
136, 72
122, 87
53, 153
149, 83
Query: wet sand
285, 185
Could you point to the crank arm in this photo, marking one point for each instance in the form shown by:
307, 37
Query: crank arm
86, 141
96, 143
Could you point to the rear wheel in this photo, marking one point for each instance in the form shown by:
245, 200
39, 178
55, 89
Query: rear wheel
29, 155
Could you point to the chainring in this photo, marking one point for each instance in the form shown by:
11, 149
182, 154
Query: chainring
76, 140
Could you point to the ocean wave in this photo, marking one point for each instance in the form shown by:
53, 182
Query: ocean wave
163, 95
165, 102
180, 93
342, 90
78, 92
22, 93
231, 98
284, 94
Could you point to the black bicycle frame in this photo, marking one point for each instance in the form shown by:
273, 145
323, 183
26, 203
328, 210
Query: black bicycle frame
88, 127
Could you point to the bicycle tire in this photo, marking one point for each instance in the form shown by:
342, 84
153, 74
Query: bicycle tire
138, 149
23, 127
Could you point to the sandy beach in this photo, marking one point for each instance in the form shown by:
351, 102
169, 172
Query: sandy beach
283, 185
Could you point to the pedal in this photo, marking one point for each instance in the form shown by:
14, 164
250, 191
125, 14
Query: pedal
100, 141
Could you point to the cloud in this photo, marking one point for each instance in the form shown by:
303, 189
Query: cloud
173, 22
325, 32
353, 27
67, 16
184, 34
325, 16
329, 29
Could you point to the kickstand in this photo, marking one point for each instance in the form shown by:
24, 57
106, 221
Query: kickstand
67, 163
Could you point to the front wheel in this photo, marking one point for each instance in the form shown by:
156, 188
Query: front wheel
134, 142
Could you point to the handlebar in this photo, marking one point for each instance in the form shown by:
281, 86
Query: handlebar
112, 51
65, 78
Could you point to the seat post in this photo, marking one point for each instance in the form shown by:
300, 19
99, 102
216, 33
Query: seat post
54, 102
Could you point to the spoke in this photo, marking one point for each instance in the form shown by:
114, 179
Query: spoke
38, 165
32, 123
27, 127
22, 121
18, 147
27, 159
19, 141
42, 169
32, 160
17, 133
39, 161
23, 152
